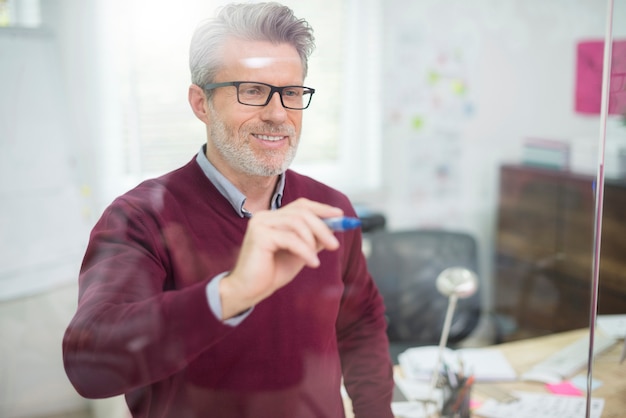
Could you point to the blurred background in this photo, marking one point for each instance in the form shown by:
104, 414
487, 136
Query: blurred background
478, 117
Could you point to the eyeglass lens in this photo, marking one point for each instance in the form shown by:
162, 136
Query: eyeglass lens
258, 95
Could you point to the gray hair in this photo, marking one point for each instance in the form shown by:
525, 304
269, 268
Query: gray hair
271, 22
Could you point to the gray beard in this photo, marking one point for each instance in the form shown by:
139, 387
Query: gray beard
240, 156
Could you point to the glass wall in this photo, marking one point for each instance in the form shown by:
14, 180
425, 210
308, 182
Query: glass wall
609, 367
481, 118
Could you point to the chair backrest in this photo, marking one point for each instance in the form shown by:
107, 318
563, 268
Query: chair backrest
405, 266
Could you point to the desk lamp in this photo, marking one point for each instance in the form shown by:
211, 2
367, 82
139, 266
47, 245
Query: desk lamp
454, 282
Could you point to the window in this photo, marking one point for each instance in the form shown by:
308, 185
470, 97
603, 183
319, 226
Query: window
148, 41
20, 13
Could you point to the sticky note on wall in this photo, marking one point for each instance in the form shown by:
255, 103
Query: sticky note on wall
589, 65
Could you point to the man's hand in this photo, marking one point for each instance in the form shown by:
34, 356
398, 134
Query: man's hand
276, 246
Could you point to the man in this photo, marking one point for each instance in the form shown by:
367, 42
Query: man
217, 290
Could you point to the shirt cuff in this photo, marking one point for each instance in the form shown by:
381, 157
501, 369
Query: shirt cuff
215, 302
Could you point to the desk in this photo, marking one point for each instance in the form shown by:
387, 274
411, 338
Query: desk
523, 354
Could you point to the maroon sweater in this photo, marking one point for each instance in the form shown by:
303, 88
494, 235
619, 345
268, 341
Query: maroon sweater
144, 328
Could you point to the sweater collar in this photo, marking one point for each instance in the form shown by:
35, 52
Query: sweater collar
236, 199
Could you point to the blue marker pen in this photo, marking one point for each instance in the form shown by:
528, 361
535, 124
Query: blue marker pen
343, 223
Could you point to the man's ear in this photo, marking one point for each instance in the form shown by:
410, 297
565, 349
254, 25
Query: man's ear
198, 102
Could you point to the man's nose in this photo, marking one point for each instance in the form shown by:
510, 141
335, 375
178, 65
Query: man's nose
274, 110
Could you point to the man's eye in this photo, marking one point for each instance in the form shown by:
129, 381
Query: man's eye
292, 92
252, 91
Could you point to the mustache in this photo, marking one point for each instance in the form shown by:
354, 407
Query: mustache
283, 130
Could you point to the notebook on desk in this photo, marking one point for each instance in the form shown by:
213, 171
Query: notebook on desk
486, 364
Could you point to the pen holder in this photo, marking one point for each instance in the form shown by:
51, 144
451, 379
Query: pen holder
456, 400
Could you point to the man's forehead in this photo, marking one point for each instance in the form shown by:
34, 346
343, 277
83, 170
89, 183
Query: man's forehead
262, 62
258, 52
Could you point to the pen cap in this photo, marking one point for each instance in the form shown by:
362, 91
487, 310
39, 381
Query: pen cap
342, 223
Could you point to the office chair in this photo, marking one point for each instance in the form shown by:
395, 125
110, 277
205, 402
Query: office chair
405, 266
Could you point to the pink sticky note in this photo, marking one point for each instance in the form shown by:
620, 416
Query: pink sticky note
474, 404
589, 63
564, 388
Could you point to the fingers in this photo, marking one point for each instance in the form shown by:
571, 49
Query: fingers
296, 235
276, 246
289, 244
302, 219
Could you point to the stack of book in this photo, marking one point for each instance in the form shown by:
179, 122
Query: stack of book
546, 153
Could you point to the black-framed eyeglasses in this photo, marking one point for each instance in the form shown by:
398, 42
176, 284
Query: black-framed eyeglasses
253, 93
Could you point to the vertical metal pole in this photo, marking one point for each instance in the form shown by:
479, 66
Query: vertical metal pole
606, 80
443, 340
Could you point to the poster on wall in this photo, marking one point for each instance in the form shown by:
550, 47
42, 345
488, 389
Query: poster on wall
427, 111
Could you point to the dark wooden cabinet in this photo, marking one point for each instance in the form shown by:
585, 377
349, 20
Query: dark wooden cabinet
544, 250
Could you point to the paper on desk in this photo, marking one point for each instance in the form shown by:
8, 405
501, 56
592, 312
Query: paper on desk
486, 364
540, 405
613, 325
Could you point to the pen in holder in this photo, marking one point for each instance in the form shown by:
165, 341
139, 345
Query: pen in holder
456, 399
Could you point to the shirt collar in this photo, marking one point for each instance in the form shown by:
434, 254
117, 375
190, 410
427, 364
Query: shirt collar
229, 191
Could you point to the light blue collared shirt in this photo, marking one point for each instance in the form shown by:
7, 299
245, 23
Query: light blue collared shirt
237, 201
230, 192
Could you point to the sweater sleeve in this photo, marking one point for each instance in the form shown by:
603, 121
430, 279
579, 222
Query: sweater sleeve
133, 326
363, 344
